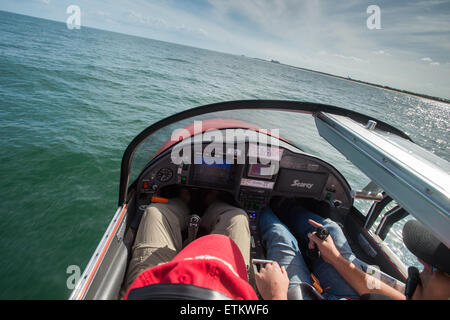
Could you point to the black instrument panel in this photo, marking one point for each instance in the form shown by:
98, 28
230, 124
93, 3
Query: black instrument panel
252, 182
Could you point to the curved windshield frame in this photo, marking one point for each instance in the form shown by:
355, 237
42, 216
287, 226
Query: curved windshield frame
272, 105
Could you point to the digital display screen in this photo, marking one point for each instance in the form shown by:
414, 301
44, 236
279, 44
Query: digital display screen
211, 173
262, 171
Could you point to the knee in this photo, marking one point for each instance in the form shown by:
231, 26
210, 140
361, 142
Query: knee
334, 229
278, 234
238, 217
235, 219
274, 230
330, 224
153, 214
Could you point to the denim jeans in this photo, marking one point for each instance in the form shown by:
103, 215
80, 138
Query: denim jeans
282, 246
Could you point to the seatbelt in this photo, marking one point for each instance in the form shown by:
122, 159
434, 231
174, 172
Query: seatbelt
194, 224
316, 284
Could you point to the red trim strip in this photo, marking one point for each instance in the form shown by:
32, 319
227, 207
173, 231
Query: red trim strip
382, 252
100, 258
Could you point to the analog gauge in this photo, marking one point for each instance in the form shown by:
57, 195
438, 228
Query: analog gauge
164, 175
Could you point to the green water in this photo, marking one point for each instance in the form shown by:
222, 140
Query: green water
72, 100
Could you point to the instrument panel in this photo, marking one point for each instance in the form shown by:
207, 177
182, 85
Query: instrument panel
253, 177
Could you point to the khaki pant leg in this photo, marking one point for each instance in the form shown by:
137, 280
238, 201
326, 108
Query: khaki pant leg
158, 239
222, 218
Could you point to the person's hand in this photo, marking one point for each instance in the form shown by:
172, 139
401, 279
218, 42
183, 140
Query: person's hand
272, 282
327, 248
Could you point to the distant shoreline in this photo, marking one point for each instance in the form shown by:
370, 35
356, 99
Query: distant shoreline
420, 95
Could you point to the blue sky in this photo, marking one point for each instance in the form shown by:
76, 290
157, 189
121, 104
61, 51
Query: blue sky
411, 50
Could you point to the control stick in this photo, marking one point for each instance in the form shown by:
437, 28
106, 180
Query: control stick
194, 224
322, 233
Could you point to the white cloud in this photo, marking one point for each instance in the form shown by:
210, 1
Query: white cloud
432, 63
140, 18
356, 59
381, 52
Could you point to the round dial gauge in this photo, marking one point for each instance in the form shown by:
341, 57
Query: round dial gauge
164, 175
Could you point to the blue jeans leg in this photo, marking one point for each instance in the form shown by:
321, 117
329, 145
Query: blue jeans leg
296, 218
282, 247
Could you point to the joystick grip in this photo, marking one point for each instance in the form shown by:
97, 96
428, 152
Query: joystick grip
322, 233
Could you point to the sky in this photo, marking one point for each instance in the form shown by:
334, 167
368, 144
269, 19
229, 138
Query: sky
410, 50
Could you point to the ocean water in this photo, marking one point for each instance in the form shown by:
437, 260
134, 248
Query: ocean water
72, 100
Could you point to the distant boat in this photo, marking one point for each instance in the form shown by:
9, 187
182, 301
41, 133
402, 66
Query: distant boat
274, 61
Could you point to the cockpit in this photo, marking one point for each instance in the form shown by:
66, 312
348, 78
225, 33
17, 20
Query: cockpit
249, 175
366, 184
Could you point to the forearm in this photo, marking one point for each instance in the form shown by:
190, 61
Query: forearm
361, 282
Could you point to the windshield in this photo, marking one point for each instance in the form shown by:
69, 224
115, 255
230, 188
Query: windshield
297, 128
293, 122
